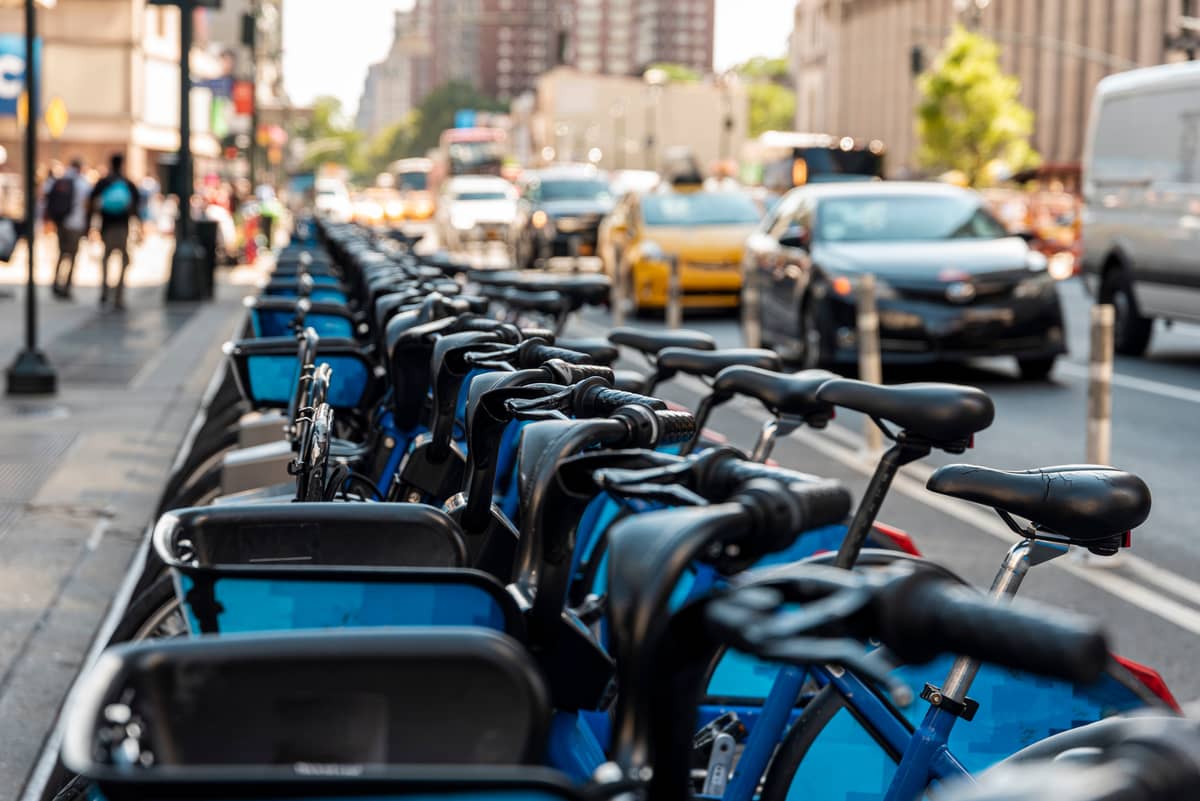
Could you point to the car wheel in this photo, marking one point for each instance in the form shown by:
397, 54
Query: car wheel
1131, 331
812, 341
1036, 369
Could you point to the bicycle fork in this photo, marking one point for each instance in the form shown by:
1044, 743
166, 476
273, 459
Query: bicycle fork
926, 758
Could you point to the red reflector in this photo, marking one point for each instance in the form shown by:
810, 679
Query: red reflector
971, 442
833, 414
1127, 540
1151, 679
897, 537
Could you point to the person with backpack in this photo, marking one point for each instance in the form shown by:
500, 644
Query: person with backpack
115, 199
65, 205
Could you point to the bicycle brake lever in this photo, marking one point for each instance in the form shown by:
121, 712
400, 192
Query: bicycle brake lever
612, 479
490, 355
547, 407
671, 494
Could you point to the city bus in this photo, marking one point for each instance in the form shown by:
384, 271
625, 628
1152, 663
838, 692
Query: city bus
469, 151
780, 160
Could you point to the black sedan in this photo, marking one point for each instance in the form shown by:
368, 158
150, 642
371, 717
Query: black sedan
559, 213
951, 284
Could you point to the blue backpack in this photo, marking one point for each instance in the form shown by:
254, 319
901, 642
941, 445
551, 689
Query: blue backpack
116, 199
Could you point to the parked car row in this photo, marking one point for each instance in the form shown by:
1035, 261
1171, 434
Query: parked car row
951, 282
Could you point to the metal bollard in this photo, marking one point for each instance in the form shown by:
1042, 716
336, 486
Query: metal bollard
870, 364
1100, 372
752, 307
674, 293
616, 290
573, 246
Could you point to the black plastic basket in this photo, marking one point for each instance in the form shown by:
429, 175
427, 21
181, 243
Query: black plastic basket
270, 567
270, 709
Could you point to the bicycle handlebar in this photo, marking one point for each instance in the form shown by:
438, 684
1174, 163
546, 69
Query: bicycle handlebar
595, 400
922, 616
535, 352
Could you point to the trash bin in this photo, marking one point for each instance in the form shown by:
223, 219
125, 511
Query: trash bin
206, 234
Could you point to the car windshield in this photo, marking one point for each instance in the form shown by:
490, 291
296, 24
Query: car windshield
482, 194
575, 189
701, 208
413, 180
904, 218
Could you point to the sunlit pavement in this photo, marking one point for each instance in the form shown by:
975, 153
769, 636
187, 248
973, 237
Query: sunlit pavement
80, 472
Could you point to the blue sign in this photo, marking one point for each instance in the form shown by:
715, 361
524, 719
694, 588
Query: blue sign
12, 70
464, 118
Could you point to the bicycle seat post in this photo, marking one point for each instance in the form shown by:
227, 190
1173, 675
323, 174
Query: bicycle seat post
1022, 556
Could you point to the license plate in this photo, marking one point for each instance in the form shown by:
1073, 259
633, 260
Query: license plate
492, 235
988, 316
586, 249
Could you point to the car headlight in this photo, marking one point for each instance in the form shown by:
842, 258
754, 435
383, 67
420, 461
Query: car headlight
1062, 265
1034, 286
846, 286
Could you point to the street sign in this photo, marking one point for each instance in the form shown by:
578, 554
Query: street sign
464, 118
56, 117
12, 71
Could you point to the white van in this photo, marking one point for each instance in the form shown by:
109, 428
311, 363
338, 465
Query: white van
1141, 193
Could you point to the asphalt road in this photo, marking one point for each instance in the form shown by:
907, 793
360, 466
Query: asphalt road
1150, 596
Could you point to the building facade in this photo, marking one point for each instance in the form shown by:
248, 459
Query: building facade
387, 95
620, 122
855, 61
114, 64
676, 31
503, 47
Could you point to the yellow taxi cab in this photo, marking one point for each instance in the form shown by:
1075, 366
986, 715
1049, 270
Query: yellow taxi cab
704, 230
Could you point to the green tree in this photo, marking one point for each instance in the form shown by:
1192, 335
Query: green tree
392, 143
970, 114
676, 73
769, 92
436, 113
329, 136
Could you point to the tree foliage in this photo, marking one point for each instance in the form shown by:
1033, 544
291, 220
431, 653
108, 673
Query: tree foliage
676, 73
969, 114
769, 92
436, 113
329, 136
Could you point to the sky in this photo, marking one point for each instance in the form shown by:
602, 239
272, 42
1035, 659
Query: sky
329, 43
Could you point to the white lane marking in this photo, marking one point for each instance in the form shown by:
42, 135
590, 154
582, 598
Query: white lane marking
1160, 388
911, 482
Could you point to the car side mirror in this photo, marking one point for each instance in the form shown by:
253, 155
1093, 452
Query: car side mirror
796, 236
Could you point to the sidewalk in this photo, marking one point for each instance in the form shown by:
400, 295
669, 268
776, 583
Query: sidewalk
80, 473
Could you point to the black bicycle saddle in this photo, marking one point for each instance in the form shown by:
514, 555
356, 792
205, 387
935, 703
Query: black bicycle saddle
710, 362
651, 342
1084, 503
792, 394
939, 413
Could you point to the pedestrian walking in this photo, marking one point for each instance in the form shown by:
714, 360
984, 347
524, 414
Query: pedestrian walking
115, 199
66, 200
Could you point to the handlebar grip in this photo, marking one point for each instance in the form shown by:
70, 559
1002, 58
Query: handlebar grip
676, 426
534, 353
597, 401
820, 502
923, 616
574, 373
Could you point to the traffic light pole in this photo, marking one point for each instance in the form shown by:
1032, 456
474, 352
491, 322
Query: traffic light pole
188, 259
31, 372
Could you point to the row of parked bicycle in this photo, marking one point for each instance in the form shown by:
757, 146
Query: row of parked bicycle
424, 545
